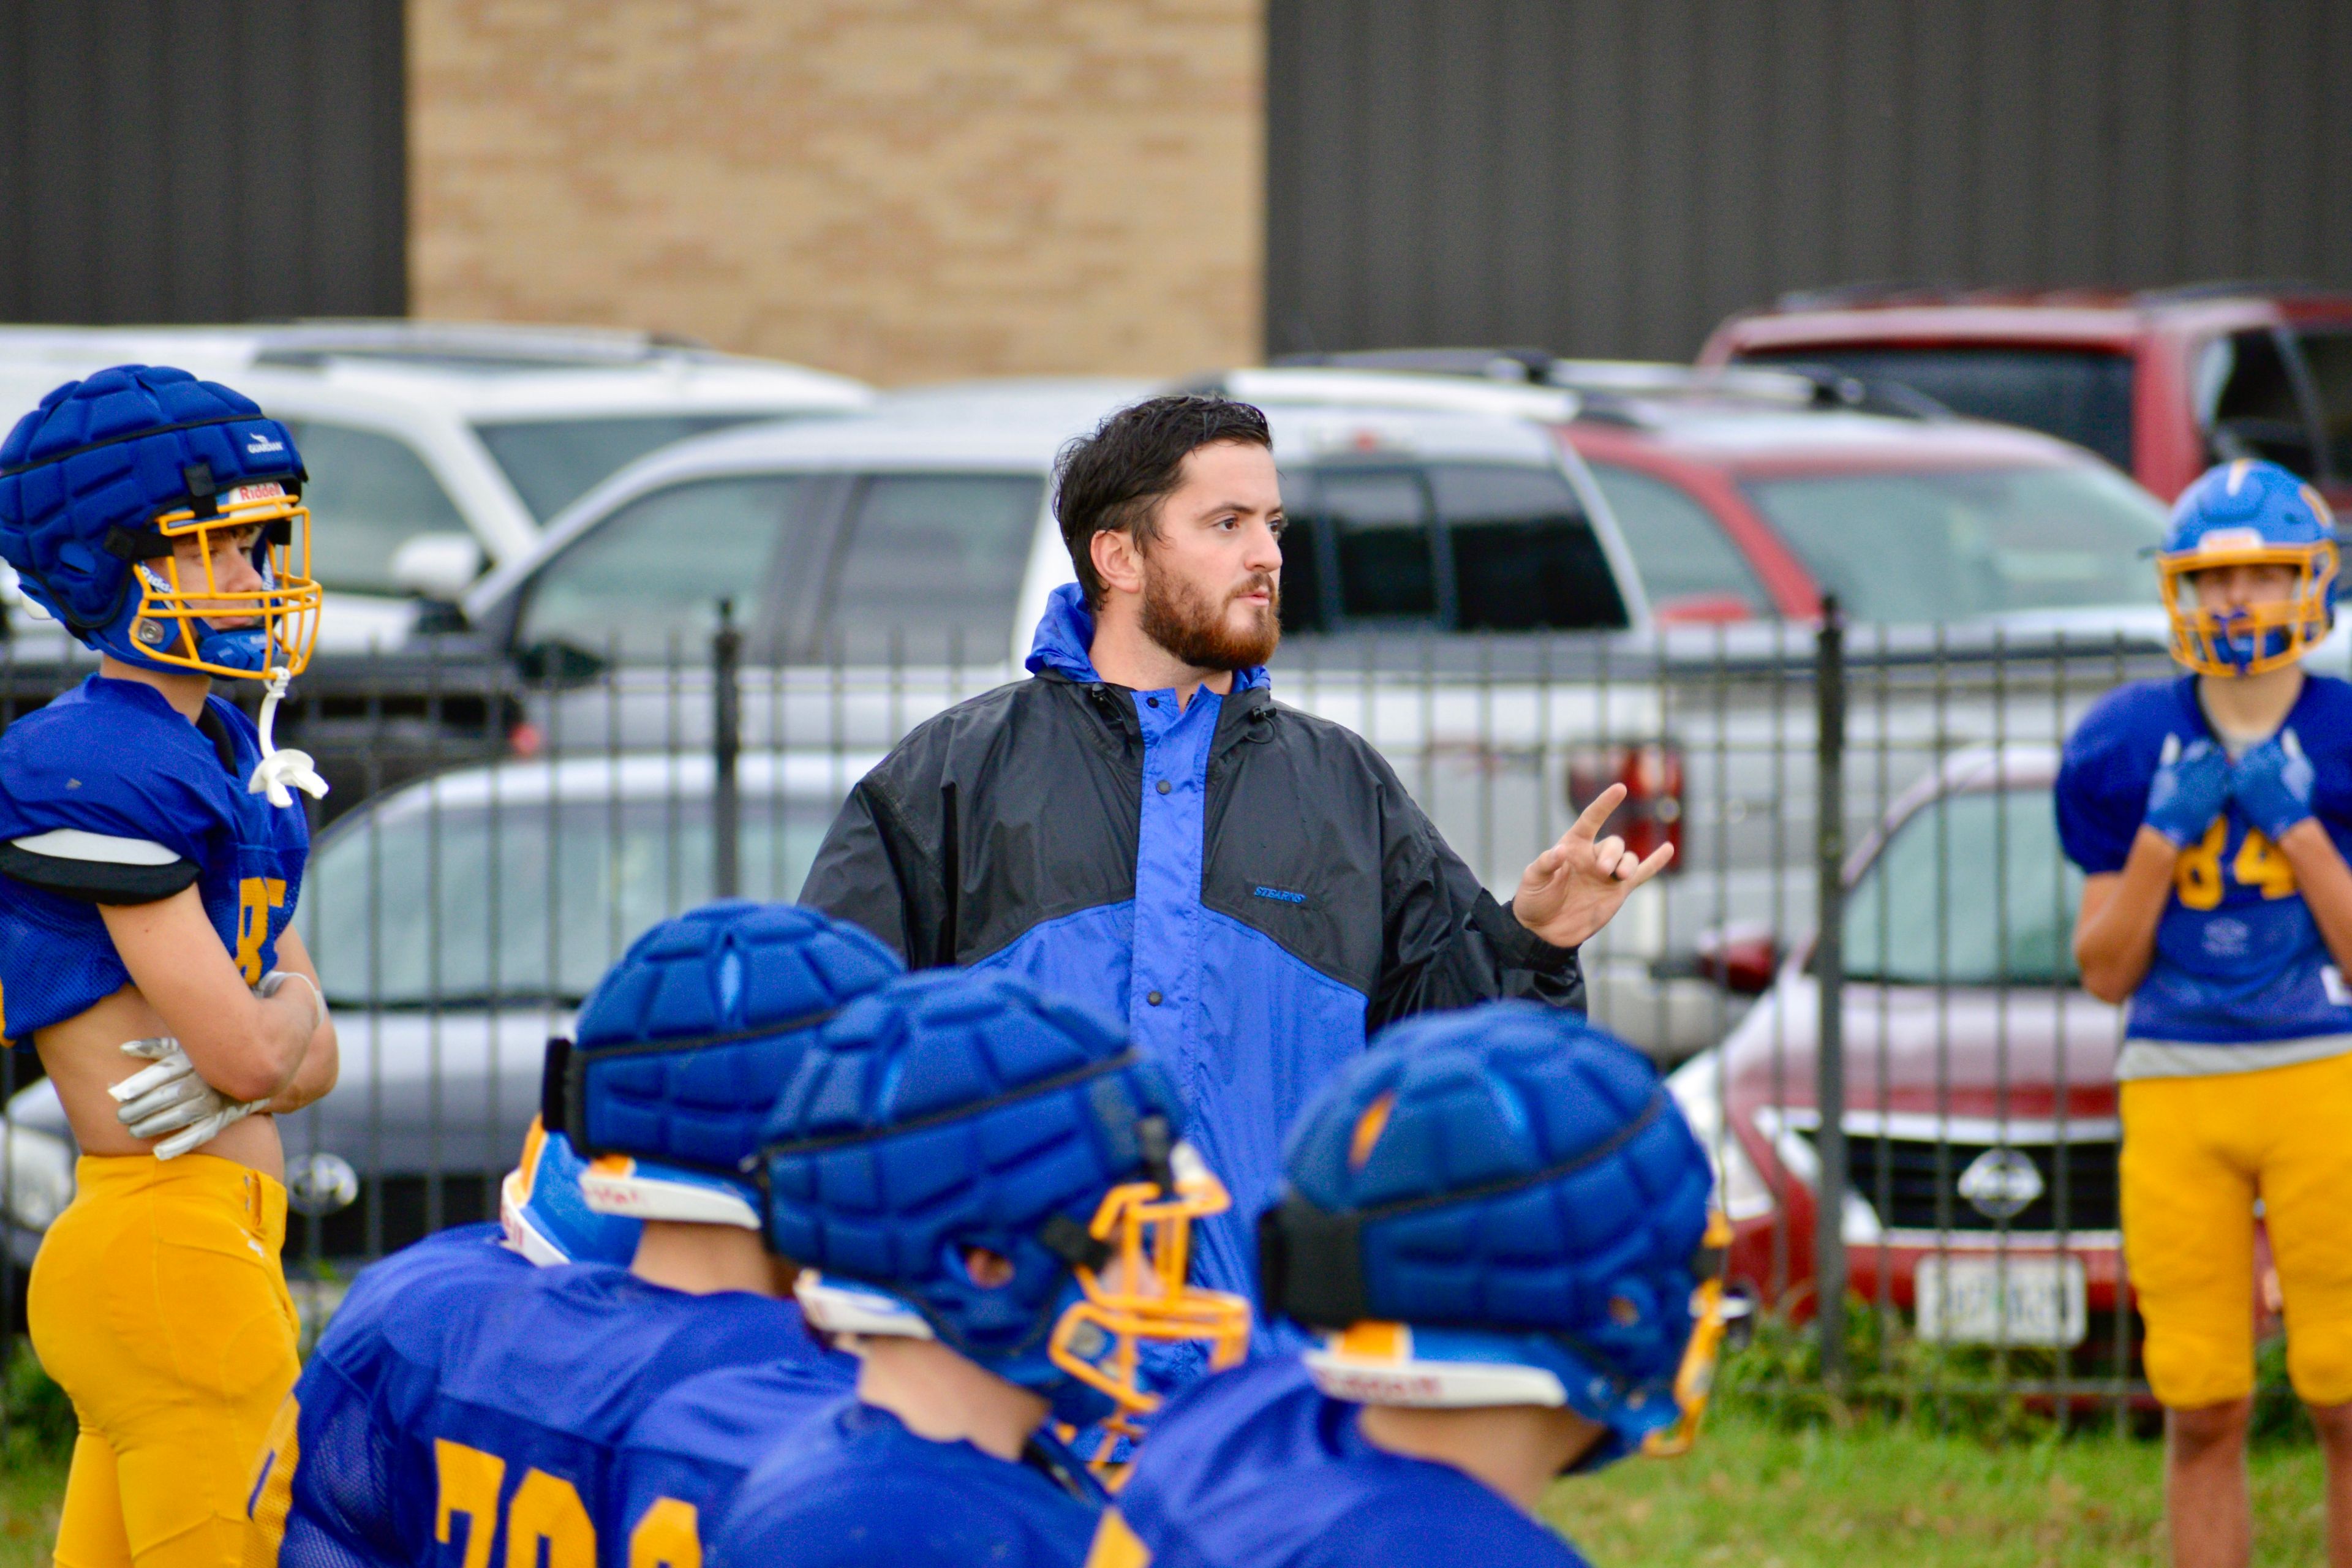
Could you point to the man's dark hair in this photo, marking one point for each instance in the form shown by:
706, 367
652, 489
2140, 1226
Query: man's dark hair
1117, 477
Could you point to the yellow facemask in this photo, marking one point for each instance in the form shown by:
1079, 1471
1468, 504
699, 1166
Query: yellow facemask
1695, 1378
1141, 1293
175, 613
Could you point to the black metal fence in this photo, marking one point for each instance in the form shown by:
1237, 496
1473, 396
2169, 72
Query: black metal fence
1868, 911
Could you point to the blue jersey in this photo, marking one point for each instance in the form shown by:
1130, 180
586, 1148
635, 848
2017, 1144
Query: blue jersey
323, 1495
109, 795
1257, 1469
506, 1415
682, 1461
2238, 959
854, 1488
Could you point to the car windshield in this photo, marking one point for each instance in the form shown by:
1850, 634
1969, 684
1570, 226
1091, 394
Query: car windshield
1971, 890
466, 906
1954, 545
553, 462
2083, 395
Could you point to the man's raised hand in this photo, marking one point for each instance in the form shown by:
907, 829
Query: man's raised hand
1571, 889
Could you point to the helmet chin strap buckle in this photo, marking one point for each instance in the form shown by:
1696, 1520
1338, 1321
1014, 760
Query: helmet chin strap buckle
278, 769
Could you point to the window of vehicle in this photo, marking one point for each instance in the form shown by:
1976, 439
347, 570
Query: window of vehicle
1950, 545
2329, 355
1971, 890
2256, 410
368, 495
467, 906
934, 562
2083, 395
1465, 547
1302, 567
656, 569
1381, 541
1524, 554
553, 462
1680, 549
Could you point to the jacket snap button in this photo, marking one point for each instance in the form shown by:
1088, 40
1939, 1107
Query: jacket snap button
1153, 998
1151, 703
1164, 786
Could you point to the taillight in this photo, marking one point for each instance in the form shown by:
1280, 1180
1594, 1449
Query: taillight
524, 740
1652, 812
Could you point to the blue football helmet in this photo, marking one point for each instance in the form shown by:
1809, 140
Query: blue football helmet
102, 483
683, 1045
960, 1159
546, 1216
2248, 513
1503, 1205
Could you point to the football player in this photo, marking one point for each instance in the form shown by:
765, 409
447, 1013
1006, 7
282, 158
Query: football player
2211, 814
987, 1194
1498, 1219
494, 1421
543, 1219
151, 855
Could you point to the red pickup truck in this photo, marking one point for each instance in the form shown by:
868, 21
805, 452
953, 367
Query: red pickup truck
2161, 384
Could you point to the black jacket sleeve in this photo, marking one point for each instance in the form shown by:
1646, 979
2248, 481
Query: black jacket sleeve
1445, 941
880, 868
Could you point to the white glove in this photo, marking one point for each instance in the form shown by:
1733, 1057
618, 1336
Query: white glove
279, 769
169, 1097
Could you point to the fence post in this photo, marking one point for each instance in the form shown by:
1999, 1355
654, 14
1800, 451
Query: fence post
1829, 979
726, 748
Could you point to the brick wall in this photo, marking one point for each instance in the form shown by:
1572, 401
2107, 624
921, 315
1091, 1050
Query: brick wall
903, 190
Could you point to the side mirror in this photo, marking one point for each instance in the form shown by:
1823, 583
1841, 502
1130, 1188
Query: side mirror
1740, 957
437, 566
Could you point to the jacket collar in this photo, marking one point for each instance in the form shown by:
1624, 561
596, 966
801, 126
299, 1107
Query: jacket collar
1065, 638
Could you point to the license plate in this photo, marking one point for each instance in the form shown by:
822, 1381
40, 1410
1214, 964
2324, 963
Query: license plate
1992, 1301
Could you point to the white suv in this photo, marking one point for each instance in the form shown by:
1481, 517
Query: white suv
438, 450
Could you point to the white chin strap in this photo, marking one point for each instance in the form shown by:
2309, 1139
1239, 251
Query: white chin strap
844, 1308
279, 769
634, 1196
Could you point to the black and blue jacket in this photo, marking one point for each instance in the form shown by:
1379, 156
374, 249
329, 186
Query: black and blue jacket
1247, 886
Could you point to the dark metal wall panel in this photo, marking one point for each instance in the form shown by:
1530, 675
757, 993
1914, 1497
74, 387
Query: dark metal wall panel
202, 160
1614, 176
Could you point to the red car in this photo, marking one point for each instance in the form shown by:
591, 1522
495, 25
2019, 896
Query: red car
1980, 1113
2161, 383
1743, 497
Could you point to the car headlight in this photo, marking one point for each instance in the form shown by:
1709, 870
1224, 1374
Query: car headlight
1739, 1188
36, 1175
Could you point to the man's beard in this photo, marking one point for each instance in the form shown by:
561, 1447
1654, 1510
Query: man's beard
1186, 622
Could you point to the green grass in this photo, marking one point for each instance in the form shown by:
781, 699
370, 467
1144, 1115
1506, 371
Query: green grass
31, 1485
1757, 1495
1757, 1492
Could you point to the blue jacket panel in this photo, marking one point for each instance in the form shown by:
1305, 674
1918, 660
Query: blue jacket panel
1248, 888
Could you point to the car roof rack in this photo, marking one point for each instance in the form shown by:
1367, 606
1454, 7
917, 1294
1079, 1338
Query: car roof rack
2229, 288
462, 345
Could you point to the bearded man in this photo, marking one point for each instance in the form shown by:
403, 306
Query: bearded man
1142, 829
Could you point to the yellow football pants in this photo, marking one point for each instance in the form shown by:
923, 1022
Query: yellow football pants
2197, 1152
158, 1304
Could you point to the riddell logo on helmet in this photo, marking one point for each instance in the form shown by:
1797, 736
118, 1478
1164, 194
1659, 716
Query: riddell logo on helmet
244, 493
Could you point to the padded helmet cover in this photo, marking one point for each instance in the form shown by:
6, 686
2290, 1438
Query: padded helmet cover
953, 1111
114, 451
683, 1045
1511, 1172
